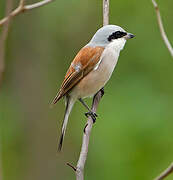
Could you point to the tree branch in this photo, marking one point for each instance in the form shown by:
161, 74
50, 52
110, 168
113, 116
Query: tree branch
87, 130
4, 34
162, 31
86, 138
23, 8
3, 37
68, 164
169, 170
5, 21
105, 12
165, 173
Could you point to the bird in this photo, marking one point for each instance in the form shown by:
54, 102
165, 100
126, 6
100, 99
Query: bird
90, 70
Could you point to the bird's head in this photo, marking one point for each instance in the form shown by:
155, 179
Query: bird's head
110, 34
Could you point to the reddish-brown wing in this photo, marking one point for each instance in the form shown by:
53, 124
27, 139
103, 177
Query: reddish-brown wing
83, 63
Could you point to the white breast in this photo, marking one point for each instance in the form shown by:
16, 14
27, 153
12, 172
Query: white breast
97, 78
109, 58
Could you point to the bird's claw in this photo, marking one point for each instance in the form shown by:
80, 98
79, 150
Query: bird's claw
93, 115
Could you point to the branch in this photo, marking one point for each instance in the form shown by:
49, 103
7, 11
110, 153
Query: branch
165, 173
105, 12
4, 34
5, 21
87, 130
169, 170
86, 138
68, 164
3, 38
162, 31
23, 8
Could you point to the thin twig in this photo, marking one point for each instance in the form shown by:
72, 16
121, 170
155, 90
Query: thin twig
5, 21
105, 12
86, 138
23, 8
68, 164
3, 38
38, 4
4, 34
162, 31
169, 170
22, 2
89, 124
165, 173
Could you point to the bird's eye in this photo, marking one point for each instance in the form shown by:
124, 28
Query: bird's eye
116, 35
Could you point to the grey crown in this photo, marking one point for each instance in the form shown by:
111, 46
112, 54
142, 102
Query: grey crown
100, 38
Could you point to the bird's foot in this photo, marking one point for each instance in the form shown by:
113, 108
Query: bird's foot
93, 115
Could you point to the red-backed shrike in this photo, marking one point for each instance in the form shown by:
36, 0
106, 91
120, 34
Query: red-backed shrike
91, 69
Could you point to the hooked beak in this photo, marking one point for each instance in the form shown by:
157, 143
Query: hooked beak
129, 36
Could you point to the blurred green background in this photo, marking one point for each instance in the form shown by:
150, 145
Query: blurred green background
133, 136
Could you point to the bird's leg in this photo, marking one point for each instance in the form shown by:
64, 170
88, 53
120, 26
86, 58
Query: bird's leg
90, 113
84, 104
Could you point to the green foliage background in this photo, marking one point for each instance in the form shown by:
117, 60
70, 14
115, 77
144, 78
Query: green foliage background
133, 136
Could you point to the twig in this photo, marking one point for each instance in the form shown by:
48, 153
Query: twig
86, 137
4, 34
22, 3
96, 100
68, 164
3, 38
5, 21
165, 173
169, 170
105, 12
22, 8
162, 31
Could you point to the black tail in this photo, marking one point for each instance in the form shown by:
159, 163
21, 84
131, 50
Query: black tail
69, 105
60, 142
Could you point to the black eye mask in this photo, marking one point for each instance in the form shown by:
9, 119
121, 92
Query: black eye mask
116, 35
